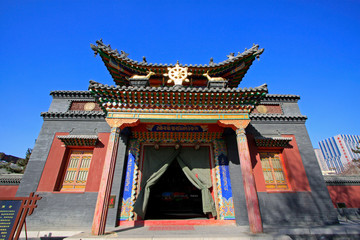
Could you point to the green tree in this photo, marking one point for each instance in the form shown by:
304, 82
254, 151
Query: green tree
24, 162
357, 150
354, 167
356, 161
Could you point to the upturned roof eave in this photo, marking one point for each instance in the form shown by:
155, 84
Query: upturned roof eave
134, 67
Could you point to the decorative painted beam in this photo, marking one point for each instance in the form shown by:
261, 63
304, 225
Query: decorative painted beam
102, 203
177, 136
252, 202
176, 117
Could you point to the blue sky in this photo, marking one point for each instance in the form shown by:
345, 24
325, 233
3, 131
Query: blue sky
311, 49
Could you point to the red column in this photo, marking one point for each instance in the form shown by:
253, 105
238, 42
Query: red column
102, 203
252, 202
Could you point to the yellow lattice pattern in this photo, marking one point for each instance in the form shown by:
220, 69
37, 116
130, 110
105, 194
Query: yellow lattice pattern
77, 171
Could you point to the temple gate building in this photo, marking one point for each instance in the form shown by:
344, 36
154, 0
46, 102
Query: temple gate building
175, 143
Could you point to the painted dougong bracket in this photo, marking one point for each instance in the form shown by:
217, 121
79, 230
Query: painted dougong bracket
252, 202
234, 124
122, 122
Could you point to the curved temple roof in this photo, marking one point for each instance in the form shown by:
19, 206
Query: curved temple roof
121, 67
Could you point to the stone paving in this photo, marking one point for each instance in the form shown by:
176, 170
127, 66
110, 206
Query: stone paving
342, 231
178, 232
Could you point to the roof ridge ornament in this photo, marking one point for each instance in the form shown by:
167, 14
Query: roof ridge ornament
231, 55
178, 74
211, 61
124, 54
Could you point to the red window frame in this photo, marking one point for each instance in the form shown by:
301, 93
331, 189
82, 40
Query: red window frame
278, 183
76, 170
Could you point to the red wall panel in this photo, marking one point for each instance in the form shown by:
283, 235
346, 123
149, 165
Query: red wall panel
97, 163
294, 168
8, 191
256, 164
350, 195
56, 163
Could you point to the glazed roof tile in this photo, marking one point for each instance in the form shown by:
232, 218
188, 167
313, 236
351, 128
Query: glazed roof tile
275, 138
280, 98
94, 84
86, 93
70, 94
111, 98
80, 115
10, 179
277, 117
101, 46
77, 137
283, 95
272, 141
79, 140
342, 180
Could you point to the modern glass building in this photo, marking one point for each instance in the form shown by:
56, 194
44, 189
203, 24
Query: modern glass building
321, 160
337, 151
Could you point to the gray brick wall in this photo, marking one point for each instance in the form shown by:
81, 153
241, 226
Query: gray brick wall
73, 211
292, 208
59, 105
42, 147
119, 172
291, 108
63, 211
319, 202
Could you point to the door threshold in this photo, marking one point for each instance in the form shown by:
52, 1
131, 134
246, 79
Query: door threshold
146, 223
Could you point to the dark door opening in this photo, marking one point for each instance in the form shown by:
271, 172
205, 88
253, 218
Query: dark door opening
174, 197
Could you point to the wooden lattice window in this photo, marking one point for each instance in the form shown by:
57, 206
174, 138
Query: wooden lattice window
77, 170
273, 170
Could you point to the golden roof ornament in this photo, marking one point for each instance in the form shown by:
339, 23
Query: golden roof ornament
142, 77
178, 74
213, 79
89, 106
